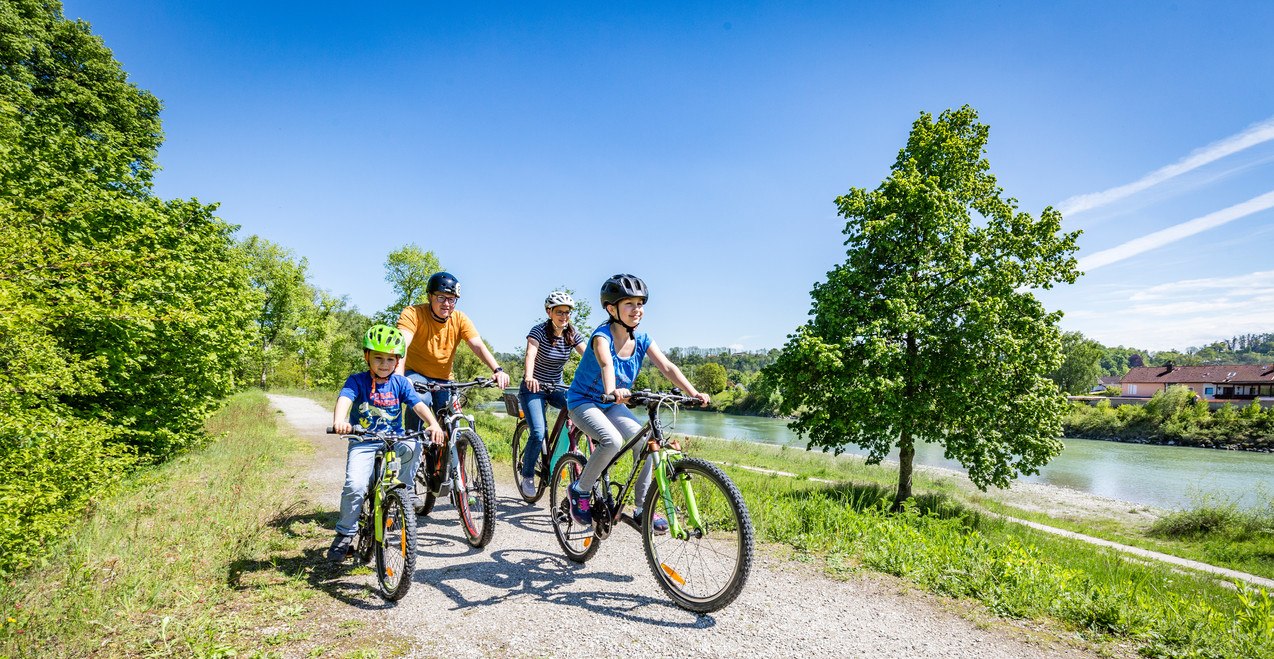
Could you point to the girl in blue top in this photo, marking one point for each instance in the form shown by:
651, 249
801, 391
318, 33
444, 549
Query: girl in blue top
611, 362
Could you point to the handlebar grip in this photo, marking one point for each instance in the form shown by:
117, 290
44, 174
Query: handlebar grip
609, 398
353, 431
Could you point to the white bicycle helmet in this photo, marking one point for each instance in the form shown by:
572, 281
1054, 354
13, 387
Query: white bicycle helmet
558, 299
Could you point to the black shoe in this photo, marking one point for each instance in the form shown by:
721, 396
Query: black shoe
341, 547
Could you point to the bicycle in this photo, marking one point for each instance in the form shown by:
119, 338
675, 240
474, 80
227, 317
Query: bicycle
548, 448
460, 467
385, 525
703, 559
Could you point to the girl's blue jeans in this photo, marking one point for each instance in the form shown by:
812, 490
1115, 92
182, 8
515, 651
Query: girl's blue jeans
533, 404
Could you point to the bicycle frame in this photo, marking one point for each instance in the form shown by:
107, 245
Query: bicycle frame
663, 451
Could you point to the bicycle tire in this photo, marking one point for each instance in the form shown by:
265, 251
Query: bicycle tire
577, 540
396, 553
364, 539
517, 447
706, 570
475, 497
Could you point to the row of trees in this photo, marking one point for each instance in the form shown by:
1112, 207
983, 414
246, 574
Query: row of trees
1084, 360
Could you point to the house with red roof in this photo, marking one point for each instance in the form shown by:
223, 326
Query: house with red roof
1215, 382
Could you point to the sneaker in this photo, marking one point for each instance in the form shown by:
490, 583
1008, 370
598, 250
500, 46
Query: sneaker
581, 508
341, 547
658, 525
526, 485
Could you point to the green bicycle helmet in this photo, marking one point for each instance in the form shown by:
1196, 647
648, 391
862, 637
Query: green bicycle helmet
383, 338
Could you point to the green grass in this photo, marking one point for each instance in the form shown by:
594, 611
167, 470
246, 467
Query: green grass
215, 554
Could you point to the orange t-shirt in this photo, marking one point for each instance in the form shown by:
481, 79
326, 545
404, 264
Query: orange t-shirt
433, 344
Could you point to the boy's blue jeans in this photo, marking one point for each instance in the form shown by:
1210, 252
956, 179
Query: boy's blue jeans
533, 403
436, 401
359, 460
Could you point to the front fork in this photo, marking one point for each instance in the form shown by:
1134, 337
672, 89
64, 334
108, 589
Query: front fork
388, 483
663, 467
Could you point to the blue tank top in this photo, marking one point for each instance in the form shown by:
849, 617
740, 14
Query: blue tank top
587, 385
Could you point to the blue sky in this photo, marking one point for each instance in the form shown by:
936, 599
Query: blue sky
701, 145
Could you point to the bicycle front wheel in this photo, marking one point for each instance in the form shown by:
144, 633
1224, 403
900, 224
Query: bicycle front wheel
519, 436
705, 568
475, 494
396, 553
576, 539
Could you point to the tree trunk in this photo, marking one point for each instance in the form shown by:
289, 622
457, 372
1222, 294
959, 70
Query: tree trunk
906, 456
906, 443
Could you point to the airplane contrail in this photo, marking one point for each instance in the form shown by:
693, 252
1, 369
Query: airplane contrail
1257, 134
1176, 232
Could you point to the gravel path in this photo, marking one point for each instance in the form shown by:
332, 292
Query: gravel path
519, 596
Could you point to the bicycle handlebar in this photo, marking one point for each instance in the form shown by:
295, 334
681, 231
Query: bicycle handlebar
433, 387
646, 397
363, 432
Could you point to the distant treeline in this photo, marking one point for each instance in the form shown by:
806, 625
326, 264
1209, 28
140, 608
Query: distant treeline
1175, 416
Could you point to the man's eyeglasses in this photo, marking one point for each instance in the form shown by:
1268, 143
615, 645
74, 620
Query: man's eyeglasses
445, 300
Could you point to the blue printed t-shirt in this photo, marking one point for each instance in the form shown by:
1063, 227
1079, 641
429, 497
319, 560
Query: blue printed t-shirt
587, 385
379, 410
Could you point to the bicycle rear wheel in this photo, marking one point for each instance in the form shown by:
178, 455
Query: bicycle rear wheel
475, 495
576, 539
396, 553
705, 569
519, 435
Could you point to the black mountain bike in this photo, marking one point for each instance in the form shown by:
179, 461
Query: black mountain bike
576, 441
386, 526
703, 558
460, 467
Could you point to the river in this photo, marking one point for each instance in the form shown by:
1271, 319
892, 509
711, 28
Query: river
1159, 476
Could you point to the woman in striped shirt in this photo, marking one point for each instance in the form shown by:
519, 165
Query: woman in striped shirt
548, 346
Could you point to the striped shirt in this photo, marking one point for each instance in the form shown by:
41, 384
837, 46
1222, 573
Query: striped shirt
551, 356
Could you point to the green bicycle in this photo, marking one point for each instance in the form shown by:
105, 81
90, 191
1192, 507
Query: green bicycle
386, 524
703, 559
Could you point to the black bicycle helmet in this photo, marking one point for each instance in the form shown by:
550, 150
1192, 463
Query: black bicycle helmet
443, 282
620, 287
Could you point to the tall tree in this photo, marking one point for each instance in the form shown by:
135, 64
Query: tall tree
282, 301
407, 269
927, 331
1081, 364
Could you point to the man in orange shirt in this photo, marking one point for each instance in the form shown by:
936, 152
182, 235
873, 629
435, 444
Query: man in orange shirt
433, 331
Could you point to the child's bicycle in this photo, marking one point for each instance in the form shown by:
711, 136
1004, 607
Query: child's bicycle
386, 526
551, 449
703, 559
460, 468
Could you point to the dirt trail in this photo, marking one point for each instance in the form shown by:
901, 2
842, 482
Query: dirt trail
519, 596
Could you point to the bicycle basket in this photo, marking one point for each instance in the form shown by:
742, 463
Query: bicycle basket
511, 403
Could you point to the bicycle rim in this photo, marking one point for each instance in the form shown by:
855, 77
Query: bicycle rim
519, 436
475, 494
576, 539
705, 570
396, 554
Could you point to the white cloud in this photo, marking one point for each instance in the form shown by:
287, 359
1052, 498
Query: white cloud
1257, 134
1254, 283
1176, 232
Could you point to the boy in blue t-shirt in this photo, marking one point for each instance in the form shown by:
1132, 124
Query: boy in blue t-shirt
373, 400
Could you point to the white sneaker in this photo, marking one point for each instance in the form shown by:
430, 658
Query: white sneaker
527, 485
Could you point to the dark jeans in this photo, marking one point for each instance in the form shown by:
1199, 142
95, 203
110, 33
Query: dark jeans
435, 401
534, 406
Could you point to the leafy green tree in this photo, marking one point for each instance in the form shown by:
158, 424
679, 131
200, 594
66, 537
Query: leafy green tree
407, 269
928, 332
710, 378
1081, 364
283, 298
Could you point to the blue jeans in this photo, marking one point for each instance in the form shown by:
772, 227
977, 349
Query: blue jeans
436, 401
534, 406
358, 472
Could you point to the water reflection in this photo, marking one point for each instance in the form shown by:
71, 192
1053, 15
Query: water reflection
1161, 476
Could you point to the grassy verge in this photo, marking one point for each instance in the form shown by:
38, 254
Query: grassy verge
215, 554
